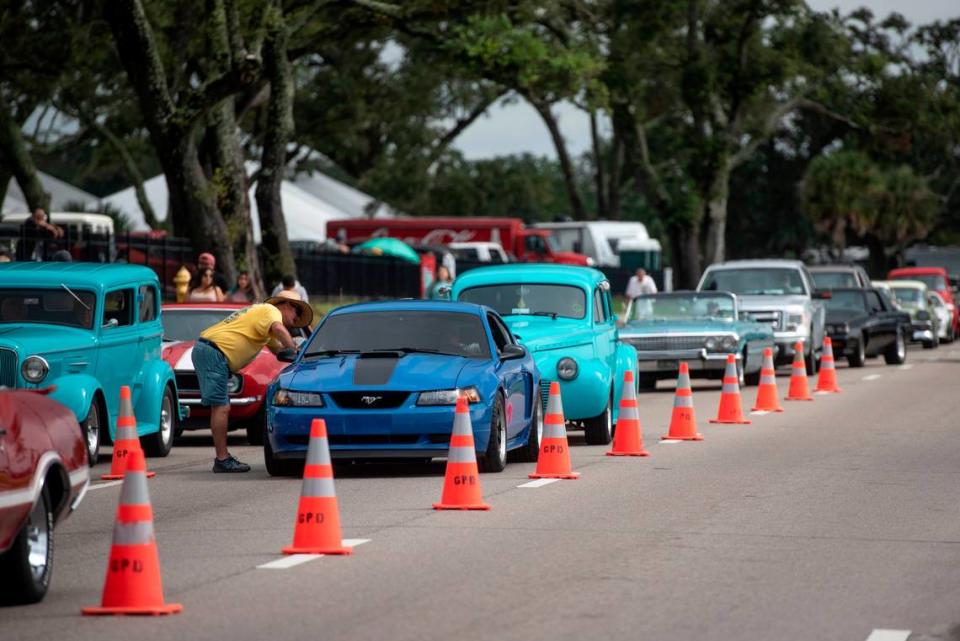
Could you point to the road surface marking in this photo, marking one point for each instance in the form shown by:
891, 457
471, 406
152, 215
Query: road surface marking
872, 377
294, 560
822, 392
889, 635
539, 483
99, 486
759, 412
670, 441
907, 366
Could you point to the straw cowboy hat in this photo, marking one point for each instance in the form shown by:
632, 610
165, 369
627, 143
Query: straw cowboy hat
305, 313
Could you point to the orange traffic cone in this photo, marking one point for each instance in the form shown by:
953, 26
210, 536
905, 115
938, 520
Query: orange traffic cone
768, 396
461, 486
133, 584
317, 530
798, 376
628, 439
730, 410
683, 422
827, 379
127, 440
554, 460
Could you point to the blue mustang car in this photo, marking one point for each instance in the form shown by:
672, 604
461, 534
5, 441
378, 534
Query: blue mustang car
386, 376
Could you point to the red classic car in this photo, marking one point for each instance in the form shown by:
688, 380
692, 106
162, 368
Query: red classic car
182, 324
43, 477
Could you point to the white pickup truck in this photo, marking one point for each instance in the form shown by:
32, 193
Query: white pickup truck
778, 292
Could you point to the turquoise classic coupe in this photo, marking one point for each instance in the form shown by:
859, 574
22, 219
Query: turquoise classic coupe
564, 316
701, 328
86, 329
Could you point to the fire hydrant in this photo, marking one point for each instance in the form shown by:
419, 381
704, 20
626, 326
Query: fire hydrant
182, 281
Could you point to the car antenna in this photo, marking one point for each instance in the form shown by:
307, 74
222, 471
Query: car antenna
75, 297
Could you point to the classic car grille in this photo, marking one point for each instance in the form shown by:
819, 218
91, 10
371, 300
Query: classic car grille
8, 368
666, 343
376, 400
187, 382
771, 318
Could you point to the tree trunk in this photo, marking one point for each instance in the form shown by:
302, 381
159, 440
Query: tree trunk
685, 250
613, 184
716, 214
602, 211
566, 165
5, 178
18, 160
278, 260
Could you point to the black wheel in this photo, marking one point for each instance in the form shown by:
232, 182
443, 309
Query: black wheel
646, 382
859, 357
741, 366
752, 379
91, 428
929, 344
896, 353
27, 566
811, 360
256, 428
599, 429
495, 458
160, 442
530, 452
280, 467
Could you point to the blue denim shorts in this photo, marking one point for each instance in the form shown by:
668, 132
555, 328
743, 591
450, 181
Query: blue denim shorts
212, 373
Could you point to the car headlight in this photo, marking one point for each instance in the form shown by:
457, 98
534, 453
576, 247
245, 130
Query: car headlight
448, 396
234, 383
923, 315
290, 398
567, 369
34, 369
590, 261
794, 322
710, 343
729, 343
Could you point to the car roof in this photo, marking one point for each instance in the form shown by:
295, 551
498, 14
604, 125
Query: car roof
549, 273
406, 305
905, 283
832, 268
757, 262
93, 275
939, 271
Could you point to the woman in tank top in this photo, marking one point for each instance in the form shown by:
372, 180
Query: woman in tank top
203, 289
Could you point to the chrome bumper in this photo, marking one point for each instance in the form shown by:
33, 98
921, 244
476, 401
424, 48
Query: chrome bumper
696, 359
237, 400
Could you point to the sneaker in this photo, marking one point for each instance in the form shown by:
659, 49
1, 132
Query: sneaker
229, 464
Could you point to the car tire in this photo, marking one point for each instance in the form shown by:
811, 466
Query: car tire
859, 357
159, 443
811, 360
896, 354
530, 452
280, 467
599, 429
92, 429
741, 371
752, 379
257, 428
495, 458
27, 566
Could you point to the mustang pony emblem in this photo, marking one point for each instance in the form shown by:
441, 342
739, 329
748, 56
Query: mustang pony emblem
370, 400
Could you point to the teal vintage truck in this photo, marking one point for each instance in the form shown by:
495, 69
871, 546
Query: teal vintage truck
86, 329
564, 316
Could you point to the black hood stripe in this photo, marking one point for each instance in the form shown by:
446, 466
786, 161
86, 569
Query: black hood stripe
374, 371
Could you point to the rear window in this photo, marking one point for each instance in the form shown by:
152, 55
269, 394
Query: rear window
833, 280
529, 299
932, 281
846, 302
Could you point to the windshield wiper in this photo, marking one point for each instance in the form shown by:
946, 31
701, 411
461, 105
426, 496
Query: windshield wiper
331, 352
75, 297
552, 315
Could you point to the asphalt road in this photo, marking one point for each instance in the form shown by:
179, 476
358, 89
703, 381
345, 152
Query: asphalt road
833, 520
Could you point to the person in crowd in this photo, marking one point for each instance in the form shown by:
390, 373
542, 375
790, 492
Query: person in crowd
243, 292
61, 256
38, 229
5, 255
441, 286
228, 346
291, 284
640, 284
206, 259
203, 289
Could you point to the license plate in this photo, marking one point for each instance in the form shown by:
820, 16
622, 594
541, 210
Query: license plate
668, 364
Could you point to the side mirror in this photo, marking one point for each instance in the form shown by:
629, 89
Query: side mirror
511, 352
287, 355
111, 322
822, 294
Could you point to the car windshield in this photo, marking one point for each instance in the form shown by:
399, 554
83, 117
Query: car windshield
846, 302
453, 333
907, 294
832, 280
933, 281
524, 299
755, 281
72, 308
682, 306
186, 324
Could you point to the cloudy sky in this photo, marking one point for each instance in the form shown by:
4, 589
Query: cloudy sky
516, 128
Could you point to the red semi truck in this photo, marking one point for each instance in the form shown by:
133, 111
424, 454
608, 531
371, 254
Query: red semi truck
527, 245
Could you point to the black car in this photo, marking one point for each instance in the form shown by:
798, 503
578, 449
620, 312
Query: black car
865, 322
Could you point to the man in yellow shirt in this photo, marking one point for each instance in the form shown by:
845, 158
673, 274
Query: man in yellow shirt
229, 346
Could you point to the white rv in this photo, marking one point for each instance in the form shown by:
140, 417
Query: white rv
602, 240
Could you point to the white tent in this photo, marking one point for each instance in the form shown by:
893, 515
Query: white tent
309, 201
61, 194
